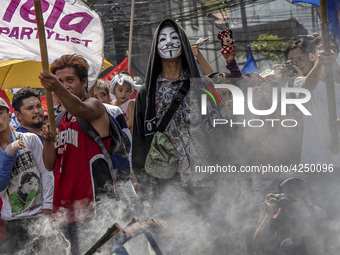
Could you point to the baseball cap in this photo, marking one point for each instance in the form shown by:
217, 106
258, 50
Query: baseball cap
3, 103
285, 177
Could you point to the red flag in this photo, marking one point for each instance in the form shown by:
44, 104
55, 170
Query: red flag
123, 66
4, 97
43, 102
134, 94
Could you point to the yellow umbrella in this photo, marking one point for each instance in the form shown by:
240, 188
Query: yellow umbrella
22, 73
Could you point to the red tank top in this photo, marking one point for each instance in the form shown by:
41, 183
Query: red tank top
81, 173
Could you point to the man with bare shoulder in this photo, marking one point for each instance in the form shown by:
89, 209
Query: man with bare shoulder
82, 175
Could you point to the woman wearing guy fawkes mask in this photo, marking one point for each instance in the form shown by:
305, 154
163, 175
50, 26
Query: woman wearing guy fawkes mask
171, 63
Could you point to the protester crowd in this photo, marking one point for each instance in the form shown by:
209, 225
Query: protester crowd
163, 137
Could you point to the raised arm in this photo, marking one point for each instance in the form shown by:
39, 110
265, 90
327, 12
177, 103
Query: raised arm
231, 63
318, 72
90, 109
72, 97
313, 77
202, 61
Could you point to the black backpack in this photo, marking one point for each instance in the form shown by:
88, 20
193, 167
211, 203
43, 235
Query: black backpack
118, 160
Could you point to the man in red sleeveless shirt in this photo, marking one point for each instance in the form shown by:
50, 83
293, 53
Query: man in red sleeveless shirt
76, 160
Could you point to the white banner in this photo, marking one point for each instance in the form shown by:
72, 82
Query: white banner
70, 27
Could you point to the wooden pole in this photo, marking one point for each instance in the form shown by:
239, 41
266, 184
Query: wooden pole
329, 75
44, 62
130, 36
110, 232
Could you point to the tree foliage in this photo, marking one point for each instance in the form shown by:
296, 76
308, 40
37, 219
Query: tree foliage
271, 46
89, 3
214, 6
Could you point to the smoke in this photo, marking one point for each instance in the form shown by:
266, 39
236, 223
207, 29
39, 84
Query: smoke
47, 237
218, 219
221, 220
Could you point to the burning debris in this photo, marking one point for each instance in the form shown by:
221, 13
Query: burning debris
117, 236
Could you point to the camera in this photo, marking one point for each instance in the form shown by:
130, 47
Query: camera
283, 200
288, 67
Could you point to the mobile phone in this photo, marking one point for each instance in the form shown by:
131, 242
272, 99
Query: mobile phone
226, 38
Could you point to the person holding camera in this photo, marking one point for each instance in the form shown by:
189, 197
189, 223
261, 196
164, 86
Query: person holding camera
291, 74
292, 224
297, 62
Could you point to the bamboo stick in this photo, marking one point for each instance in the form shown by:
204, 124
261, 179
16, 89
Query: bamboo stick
329, 75
44, 62
130, 36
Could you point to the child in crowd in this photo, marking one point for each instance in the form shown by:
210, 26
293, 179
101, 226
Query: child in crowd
122, 86
101, 91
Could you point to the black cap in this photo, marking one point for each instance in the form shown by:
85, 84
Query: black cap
285, 177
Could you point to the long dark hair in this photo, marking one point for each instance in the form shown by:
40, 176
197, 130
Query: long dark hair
26, 177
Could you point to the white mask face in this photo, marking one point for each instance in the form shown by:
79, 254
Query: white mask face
169, 45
